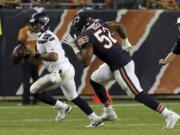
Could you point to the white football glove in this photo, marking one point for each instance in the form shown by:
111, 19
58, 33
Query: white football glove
126, 45
70, 41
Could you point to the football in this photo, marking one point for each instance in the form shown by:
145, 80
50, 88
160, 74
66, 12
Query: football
17, 54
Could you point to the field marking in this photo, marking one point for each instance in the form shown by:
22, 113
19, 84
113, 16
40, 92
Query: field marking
52, 120
74, 106
79, 120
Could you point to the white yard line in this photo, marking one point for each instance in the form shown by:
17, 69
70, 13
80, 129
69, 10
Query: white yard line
114, 105
79, 120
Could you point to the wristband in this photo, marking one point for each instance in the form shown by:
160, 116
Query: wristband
125, 41
76, 49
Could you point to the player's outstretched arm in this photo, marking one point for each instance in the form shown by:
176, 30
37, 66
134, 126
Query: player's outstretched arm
121, 30
117, 27
168, 58
83, 51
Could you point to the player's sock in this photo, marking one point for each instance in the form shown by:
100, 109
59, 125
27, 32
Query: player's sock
83, 105
165, 112
60, 104
149, 101
108, 108
93, 116
46, 98
100, 91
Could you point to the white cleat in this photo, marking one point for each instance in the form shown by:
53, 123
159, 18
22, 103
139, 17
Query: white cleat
171, 119
108, 115
62, 113
95, 123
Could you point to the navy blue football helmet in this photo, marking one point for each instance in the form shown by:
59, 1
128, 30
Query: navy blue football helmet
39, 22
81, 21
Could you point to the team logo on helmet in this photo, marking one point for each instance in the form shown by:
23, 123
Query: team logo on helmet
81, 21
76, 19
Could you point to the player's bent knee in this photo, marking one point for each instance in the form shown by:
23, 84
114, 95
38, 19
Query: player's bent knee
46, 83
34, 89
71, 96
94, 77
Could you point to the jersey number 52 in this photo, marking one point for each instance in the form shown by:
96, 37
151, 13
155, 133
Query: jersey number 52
104, 34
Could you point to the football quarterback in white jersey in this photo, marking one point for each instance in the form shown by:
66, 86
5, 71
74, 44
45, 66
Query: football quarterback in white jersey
62, 73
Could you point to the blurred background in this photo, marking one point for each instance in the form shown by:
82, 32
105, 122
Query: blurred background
151, 30
97, 4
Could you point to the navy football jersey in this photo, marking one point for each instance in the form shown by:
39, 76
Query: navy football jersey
104, 46
176, 48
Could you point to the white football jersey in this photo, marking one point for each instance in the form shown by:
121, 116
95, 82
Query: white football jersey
48, 42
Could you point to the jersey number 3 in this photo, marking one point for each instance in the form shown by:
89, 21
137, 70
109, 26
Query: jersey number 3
101, 37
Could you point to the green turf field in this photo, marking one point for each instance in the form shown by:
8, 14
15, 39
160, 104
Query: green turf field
134, 119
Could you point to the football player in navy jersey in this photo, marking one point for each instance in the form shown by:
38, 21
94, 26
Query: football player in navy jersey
175, 51
96, 38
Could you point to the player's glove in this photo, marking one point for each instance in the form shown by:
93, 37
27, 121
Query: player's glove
126, 45
71, 41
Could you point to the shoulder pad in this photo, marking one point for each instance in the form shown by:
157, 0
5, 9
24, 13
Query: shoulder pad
45, 38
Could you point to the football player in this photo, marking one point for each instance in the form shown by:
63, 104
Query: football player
27, 38
96, 38
62, 73
175, 51
28, 67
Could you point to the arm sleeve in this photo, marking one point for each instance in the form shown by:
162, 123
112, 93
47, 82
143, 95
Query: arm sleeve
176, 48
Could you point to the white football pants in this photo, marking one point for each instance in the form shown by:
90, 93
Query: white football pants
124, 76
63, 78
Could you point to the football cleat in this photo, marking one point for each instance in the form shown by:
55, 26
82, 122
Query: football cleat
95, 123
171, 119
62, 113
108, 115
